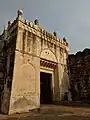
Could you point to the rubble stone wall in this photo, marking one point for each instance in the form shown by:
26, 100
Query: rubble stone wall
79, 75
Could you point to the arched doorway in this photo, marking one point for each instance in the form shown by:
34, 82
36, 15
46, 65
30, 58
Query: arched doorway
48, 63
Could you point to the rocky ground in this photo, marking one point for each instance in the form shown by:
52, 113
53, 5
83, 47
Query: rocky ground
53, 112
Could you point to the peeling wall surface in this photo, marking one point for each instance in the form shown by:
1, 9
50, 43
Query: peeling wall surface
36, 50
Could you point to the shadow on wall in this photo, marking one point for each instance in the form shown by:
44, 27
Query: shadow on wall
65, 86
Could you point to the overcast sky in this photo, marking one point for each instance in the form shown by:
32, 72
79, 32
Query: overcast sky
70, 18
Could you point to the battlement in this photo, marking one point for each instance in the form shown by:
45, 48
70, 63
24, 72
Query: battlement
35, 28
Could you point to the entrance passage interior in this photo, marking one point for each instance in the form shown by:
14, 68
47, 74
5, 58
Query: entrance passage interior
45, 88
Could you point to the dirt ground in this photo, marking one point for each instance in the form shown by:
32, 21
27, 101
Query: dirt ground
52, 112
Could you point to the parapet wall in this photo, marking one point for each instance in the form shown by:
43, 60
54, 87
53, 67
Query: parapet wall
35, 28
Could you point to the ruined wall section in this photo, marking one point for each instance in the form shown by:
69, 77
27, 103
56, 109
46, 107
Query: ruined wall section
79, 75
2, 63
10, 35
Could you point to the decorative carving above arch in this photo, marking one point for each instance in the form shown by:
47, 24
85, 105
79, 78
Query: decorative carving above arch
48, 55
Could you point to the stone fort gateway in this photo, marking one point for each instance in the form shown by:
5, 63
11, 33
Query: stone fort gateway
33, 66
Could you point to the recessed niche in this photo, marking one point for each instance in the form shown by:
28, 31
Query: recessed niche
29, 49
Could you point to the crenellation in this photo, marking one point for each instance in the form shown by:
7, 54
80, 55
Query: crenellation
36, 22
9, 24
30, 24
54, 33
33, 28
19, 14
54, 40
44, 34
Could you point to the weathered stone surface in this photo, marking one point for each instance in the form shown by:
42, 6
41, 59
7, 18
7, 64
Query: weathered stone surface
79, 75
29, 51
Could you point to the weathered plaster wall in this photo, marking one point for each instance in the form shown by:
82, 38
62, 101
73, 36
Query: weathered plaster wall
25, 94
33, 44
